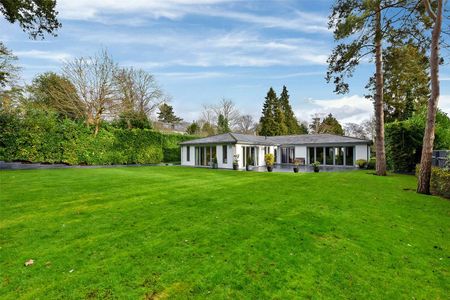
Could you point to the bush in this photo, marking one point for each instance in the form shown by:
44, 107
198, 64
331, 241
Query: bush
361, 163
371, 165
440, 181
42, 136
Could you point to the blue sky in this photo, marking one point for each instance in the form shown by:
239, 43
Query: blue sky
203, 50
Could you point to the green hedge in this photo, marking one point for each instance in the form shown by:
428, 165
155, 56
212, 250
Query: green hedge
404, 140
440, 181
38, 136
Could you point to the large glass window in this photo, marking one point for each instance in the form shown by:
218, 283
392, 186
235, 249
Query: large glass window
224, 154
339, 156
329, 159
349, 156
311, 155
319, 155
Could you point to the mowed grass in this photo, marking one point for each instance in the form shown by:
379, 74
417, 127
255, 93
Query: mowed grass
174, 232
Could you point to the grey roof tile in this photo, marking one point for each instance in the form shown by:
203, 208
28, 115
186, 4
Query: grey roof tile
303, 139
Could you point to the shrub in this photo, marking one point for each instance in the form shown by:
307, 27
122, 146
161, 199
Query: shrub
440, 181
269, 159
371, 165
42, 136
361, 163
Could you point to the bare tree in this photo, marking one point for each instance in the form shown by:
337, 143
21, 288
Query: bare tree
423, 186
356, 130
96, 94
138, 92
228, 109
246, 124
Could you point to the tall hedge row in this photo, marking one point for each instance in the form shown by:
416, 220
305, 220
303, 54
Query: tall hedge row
404, 141
38, 136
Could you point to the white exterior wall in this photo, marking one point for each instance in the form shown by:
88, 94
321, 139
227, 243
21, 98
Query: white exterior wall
361, 152
229, 163
300, 152
184, 161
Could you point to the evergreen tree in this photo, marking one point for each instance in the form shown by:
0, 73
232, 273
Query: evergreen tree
280, 119
167, 115
303, 128
289, 117
268, 127
194, 128
331, 125
208, 129
222, 125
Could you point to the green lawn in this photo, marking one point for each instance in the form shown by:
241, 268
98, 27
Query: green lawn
173, 232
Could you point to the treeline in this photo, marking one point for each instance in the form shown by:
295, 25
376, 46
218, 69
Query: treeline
35, 135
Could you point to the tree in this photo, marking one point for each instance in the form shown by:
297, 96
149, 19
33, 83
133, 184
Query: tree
246, 125
280, 119
94, 82
406, 80
9, 71
167, 115
36, 17
331, 125
208, 129
362, 25
43, 92
193, 128
228, 109
289, 117
435, 14
303, 127
268, 127
222, 124
139, 95
356, 130
315, 125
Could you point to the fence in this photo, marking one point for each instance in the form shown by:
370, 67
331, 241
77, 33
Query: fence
440, 158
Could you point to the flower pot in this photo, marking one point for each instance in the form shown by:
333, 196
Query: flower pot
316, 169
269, 168
249, 168
235, 167
295, 169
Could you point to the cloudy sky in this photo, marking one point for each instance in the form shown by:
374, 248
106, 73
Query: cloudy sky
203, 50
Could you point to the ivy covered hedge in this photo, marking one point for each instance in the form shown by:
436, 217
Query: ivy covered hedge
38, 136
404, 141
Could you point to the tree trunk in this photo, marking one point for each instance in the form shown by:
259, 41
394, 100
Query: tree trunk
379, 110
423, 185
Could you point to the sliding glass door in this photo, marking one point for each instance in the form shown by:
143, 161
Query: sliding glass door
287, 155
337, 156
204, 155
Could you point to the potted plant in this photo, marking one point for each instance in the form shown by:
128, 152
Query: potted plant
316, 165
269, 159
296, 164
214, 163
249, 165
236, 162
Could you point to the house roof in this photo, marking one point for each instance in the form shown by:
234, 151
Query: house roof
303, 139
308, 139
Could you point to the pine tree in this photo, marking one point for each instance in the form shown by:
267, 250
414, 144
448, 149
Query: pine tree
331, 125
289, 117
268, 127
223, 125
280, 119
167, 115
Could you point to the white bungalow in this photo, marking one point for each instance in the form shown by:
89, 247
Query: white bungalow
327, 149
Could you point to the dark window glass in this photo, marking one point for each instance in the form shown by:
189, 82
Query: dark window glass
224, 154
329, 155
188, 153
349, 156
319, 155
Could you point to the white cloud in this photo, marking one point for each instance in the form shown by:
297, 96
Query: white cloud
45, 55
101, 11
348, 109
